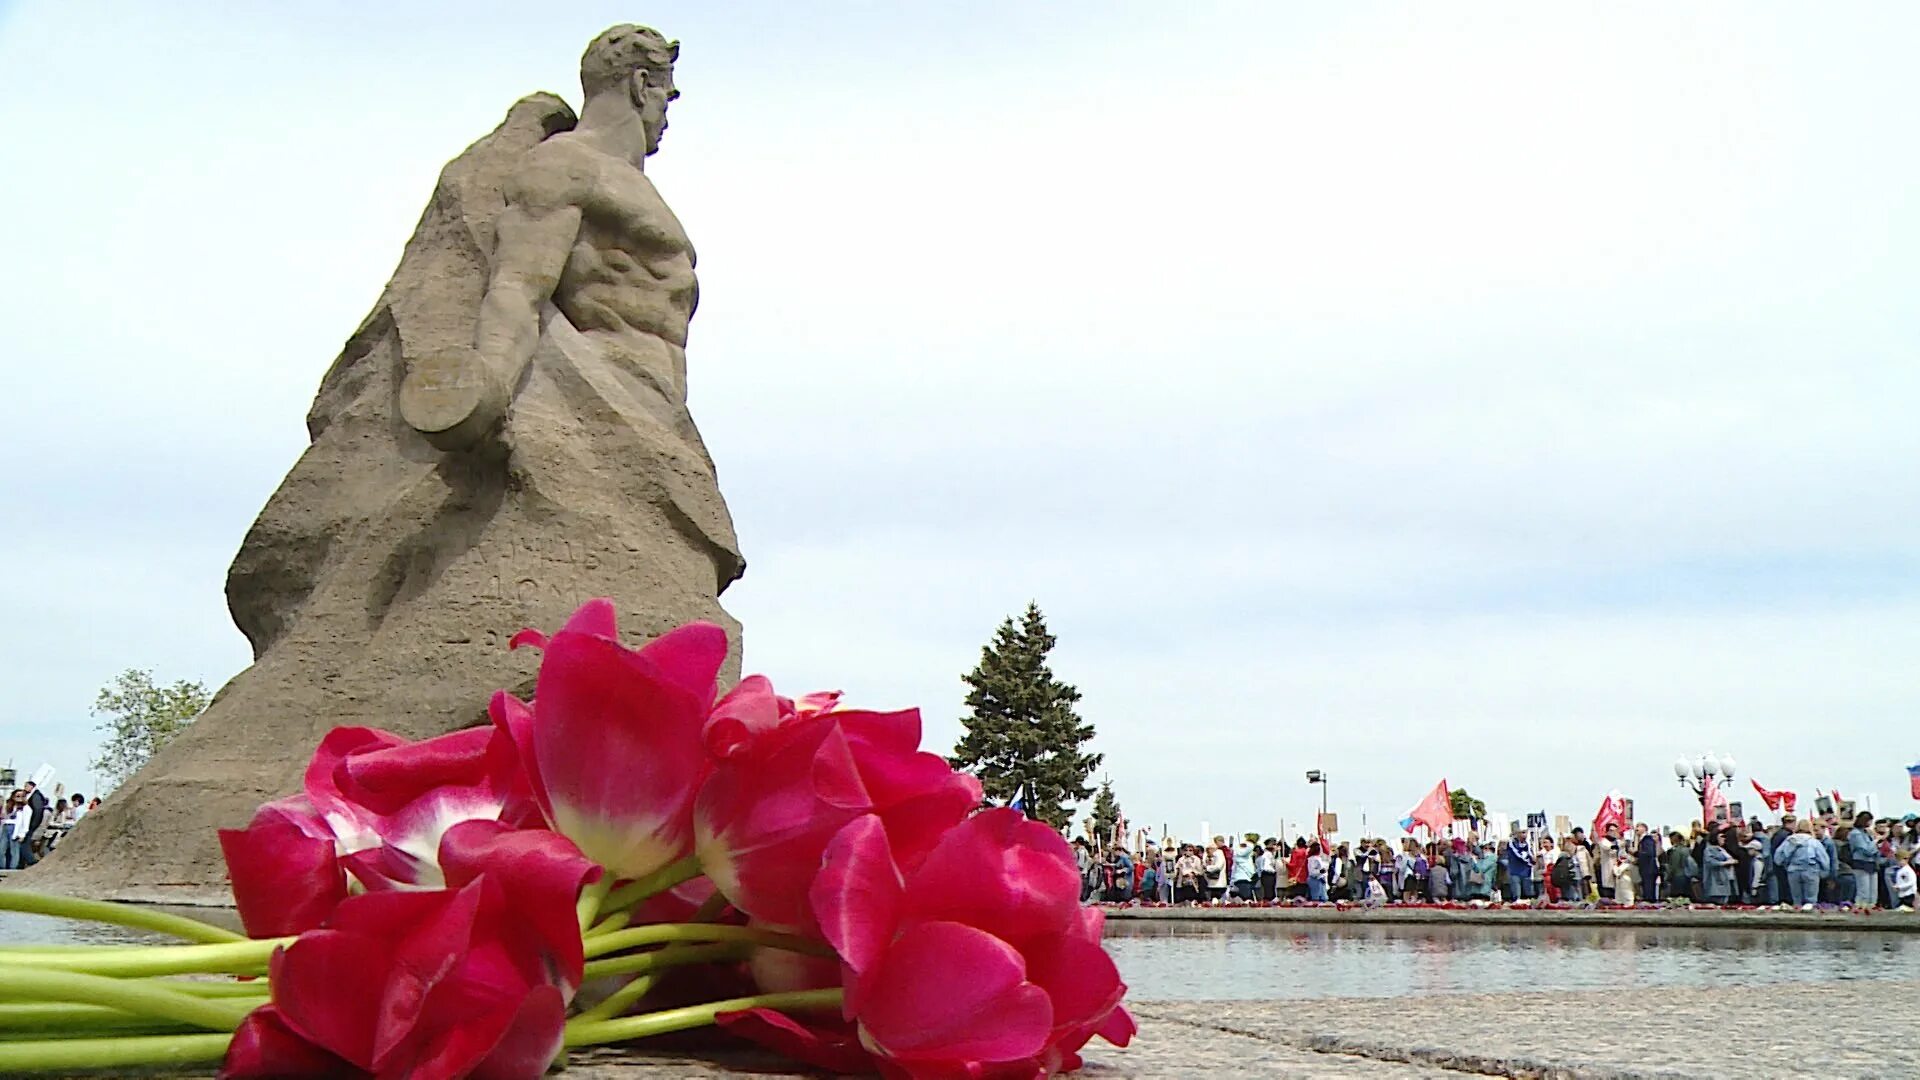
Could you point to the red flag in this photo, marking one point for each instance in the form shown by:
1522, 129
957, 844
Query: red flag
1775, 800
1913, 778
1436, 810
1714, 798
1613, 811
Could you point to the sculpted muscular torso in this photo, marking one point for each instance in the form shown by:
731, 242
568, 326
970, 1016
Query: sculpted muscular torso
583, 228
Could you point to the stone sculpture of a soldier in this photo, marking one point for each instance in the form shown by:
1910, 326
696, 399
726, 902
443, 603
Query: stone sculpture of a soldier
585, 230
504, 437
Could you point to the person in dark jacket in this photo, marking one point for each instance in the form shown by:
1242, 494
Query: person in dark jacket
37, 802
1646, 856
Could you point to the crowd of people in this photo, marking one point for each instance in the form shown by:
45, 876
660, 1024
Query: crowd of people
31, 825
1801, 862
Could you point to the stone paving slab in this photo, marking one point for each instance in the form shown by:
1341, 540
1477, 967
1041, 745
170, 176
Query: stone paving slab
1164, 1049
1832, 1030
1836, 1031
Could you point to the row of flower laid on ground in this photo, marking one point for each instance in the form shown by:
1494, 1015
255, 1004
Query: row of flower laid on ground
627, 855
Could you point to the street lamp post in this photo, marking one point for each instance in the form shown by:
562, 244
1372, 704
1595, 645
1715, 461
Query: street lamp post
1696, 773
1315, 776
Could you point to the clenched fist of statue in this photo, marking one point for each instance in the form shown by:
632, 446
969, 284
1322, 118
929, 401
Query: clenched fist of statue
454, 398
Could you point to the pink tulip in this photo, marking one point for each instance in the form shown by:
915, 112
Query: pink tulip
782, 790
372, 816
979, 963
470, 980
612, 741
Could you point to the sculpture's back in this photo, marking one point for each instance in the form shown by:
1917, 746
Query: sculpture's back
381, 582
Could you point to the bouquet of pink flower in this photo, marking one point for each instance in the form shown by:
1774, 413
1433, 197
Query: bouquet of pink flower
627, 855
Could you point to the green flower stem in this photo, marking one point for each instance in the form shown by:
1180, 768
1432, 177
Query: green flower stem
611, 923
233, 958
653, 884
218, 988
617, 1002
582, 1032
141, 1052
68, 907
674, 933
127, 995
61, 1020
38, 1014
666, 958
591, 898
12, 952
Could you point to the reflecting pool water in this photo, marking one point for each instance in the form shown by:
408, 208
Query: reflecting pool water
1165, 961
18, 929
1201, 961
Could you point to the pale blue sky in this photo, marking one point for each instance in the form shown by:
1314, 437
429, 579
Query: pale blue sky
1519, 394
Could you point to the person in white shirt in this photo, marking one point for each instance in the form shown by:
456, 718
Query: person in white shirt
1904, 886
18, 823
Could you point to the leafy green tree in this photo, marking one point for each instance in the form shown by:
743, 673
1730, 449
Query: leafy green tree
1465, 805
138, 718
1022, 728
1106, 812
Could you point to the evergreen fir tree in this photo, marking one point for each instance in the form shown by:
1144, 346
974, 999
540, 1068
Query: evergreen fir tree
1022, 727
1106, 812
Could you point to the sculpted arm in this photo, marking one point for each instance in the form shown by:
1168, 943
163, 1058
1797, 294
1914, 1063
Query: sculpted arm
458, 399
532, 248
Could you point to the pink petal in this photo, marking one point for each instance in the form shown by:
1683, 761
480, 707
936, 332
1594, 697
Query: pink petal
387, 867
531, 1041
820, 701
386, 780
541, 871
834, 1049
595, 617
916, 827
898, 732
950, 993
1081, 981
749, 710
306, 981
333, 750
514, 718
835, 777
688, 658
285, 871
857, 894
999, 871
1118, 1028
527, 638
422, 960
351, 823
616, 742
265, 1048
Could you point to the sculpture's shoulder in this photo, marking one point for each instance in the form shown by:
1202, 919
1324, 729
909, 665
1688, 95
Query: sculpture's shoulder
561, 171
443, 269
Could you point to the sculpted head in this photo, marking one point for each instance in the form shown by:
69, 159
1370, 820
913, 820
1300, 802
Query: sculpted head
638, 62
